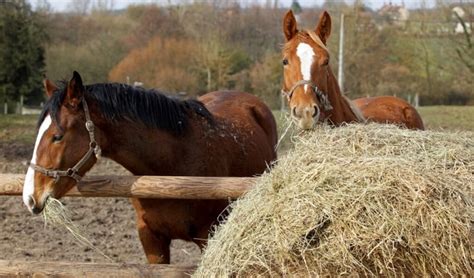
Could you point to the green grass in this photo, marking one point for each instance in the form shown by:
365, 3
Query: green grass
434, 117
18, 128
23, 128
448, 117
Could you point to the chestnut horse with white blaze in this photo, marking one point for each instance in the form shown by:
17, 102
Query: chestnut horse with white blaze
221, 134
312, 90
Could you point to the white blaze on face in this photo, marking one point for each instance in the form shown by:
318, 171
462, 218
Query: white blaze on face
29, 185
306, 54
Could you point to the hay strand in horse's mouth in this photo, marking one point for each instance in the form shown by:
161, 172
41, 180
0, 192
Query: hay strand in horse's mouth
56, 214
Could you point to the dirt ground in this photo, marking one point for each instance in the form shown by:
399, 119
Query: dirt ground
109, 223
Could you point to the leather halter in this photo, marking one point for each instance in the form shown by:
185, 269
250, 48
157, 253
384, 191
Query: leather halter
322, 97
73, 172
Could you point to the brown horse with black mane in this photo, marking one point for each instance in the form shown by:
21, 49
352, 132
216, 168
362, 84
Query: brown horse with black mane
223, 134
313, 92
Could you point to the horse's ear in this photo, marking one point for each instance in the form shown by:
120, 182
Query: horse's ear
75, 90
289, 25
323, 30
49, 87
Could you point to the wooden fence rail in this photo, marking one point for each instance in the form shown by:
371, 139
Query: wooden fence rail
73, 269
155, 187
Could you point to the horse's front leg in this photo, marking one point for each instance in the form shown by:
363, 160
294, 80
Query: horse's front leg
156, 246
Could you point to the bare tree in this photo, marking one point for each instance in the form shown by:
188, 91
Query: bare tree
81, 7
465, 52
103, 5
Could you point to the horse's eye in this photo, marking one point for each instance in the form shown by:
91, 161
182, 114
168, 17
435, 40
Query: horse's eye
57, 138
285, 62
326, 62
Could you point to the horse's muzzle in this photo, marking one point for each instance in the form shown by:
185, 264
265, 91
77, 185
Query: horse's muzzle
306, 123
34, 207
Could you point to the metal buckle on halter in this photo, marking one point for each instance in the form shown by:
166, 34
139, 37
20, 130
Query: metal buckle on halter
288, 95
90, 126
323, 98
97, 150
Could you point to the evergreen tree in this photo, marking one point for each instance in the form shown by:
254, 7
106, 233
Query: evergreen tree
22, 63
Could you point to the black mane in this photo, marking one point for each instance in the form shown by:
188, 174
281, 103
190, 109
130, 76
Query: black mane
123, 102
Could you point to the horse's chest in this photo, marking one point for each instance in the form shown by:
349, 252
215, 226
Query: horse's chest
180, 219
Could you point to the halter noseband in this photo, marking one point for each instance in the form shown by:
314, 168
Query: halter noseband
322, 97
73, 171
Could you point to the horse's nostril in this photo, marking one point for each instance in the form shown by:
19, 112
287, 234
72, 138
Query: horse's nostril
293, 111
36, 210
316, 112
31, 202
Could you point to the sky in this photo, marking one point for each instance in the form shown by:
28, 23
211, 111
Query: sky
62, 5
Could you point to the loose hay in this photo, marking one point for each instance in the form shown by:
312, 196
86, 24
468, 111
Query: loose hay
56, 214
361, 199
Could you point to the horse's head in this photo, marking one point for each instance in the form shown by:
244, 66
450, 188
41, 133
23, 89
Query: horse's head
63, 150
306, 62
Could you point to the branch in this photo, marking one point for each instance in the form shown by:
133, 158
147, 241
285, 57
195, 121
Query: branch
465, 61
464, 27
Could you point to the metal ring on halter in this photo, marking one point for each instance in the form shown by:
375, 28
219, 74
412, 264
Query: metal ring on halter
93, 144
90, 126
70, 172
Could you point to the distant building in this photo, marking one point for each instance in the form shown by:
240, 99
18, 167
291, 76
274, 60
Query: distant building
394, 14
468, 18
297, 10
458, 10
459, 29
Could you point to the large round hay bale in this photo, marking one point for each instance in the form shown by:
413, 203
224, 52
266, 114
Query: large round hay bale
361, 199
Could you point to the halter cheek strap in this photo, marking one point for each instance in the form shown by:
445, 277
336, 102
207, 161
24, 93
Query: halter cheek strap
73, 172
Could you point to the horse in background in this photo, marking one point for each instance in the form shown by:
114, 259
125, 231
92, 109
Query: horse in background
312, 90
223, 133
388, 109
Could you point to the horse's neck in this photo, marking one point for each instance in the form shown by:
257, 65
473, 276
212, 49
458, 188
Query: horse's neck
144, 150
342, 109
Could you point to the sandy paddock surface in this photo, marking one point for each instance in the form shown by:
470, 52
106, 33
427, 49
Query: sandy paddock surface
109, 223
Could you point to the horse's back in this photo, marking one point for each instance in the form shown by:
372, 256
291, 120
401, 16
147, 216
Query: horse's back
241, 108
389, 109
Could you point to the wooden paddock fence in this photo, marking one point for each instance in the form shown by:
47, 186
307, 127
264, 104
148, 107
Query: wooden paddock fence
157, 187
154, 187
72, 269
